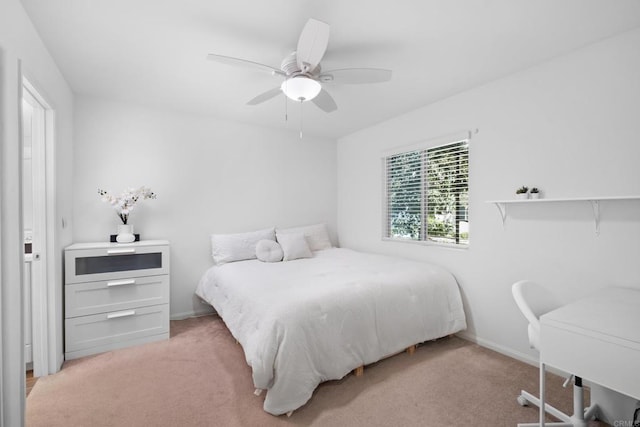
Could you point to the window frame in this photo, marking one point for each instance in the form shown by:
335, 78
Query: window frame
426, 145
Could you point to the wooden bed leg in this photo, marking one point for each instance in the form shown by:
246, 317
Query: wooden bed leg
411, 349
359, 371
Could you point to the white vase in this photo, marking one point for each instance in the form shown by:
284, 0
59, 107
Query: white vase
522, 196
125, 233
535, 195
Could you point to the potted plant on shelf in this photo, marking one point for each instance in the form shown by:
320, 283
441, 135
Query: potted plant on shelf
535, 193
522, 192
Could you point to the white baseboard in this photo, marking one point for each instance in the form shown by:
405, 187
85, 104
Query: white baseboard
523, 357
188, 314
526, 358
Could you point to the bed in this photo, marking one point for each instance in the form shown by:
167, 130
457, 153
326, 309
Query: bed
316, 319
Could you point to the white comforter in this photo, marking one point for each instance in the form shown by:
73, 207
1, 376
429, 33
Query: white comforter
311, 320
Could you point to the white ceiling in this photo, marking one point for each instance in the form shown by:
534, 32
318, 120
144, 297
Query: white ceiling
152, 52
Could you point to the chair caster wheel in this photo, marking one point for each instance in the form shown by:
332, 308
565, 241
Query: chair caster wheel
522, 401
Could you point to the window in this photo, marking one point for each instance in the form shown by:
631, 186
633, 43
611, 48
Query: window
427, 195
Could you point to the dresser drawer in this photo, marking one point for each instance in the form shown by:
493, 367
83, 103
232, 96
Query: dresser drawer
115, 262
111, 330
82, 299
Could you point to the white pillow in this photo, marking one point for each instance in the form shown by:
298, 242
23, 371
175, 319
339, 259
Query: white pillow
316, 235
294, 246
238, 247
269, 251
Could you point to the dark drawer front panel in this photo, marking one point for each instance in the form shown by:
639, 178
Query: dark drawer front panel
107, 264
115, 263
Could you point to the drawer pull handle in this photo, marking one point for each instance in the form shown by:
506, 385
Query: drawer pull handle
121, 314
122, 282
121, 251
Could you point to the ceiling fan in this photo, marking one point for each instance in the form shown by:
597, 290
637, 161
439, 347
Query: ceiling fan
302, 73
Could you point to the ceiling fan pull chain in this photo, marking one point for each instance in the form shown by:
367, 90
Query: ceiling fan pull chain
301, 101
286, 111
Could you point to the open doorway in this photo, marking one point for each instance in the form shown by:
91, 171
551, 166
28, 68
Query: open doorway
37, 131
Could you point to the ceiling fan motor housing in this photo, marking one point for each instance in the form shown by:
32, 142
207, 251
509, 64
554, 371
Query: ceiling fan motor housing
290, 67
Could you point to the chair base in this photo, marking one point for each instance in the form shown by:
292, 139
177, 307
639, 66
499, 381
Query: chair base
579, 419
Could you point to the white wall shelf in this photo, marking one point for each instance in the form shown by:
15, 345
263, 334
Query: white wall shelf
594, 201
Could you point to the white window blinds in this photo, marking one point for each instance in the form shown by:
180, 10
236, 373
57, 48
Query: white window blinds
427, 195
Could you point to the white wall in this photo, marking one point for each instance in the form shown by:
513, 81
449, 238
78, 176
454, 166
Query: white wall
19, 41
210, 176
569, 127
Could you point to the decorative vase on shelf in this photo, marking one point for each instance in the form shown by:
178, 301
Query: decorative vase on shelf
535, 193
125, 233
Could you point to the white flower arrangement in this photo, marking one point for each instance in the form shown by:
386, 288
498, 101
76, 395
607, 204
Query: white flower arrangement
125, 203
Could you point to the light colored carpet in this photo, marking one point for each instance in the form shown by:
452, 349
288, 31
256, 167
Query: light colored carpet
200, 378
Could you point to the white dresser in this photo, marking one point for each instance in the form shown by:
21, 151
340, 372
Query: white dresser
116, 295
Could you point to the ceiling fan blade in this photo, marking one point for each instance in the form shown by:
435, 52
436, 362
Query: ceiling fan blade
242, 62
312, 44
265, 96
325, 102
355, 76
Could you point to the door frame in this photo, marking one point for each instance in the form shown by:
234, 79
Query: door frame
43, 270
12, 377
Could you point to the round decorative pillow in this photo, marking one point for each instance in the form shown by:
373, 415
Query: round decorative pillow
269, 251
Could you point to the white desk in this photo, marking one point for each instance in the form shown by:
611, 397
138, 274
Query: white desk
596, 338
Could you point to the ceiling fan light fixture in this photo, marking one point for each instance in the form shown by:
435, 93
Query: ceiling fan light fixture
301, 88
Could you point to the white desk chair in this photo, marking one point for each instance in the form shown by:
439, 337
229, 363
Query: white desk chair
533, 301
